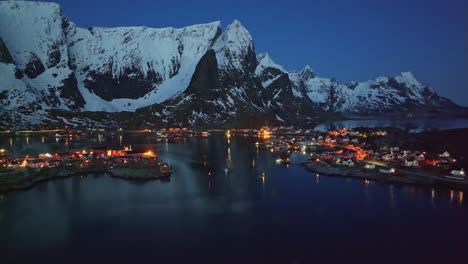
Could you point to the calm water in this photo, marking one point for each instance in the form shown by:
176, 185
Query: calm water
205, 216
413, 125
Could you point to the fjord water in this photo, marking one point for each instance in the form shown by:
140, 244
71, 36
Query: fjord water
258, 212
413, 125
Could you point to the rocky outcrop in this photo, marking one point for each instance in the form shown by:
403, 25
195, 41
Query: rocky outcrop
5, 56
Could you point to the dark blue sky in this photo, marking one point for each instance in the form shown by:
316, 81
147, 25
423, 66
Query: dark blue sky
349, 40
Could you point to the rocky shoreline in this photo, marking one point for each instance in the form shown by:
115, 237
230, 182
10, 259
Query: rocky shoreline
375, 175
138, 174
31, 178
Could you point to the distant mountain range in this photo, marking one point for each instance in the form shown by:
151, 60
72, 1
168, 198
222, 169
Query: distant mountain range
53, 72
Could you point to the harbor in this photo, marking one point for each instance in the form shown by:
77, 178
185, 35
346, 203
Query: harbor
202, 201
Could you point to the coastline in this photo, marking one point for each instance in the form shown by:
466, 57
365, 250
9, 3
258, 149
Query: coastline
375, 175
130, 174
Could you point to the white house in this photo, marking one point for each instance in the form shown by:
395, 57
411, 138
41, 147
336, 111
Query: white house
349, 163
369, 166
381, 133
388, 157
421, 157
413, 163
445, 155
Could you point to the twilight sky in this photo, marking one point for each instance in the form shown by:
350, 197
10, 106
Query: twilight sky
349, 40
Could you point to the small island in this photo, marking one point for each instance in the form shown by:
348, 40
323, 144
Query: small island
22, 173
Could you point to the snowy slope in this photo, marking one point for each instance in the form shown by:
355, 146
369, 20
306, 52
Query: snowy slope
167, 53
34, 80
30, 28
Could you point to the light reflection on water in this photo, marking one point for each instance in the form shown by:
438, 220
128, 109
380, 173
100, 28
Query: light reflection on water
257, 204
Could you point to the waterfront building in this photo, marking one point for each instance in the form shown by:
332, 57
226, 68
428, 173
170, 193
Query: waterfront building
445, 155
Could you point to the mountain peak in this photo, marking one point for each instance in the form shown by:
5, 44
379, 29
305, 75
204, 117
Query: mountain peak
307, 73
407, 75
238, 32
408, 78
236, 23
27, 5
262, 56
235, 34
234, 47
264, 62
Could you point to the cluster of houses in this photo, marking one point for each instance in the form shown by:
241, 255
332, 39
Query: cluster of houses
281, 130
408, 158
43, 160
84, 157
348, 147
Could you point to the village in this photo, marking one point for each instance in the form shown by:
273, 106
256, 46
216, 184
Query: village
125, 163
362, 154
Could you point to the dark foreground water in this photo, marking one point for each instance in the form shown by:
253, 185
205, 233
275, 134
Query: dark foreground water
265, 213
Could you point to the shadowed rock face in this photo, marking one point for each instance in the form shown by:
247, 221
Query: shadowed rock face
204, 82
197, 104
130, 84
54, 56
70, 91
34, 67
5, 55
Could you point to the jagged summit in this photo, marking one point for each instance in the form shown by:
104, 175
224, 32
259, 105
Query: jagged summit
235, 48
265, 61
193, 75
307, 73
235, 34
16, 4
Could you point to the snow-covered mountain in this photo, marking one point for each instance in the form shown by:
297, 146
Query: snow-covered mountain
197, 75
